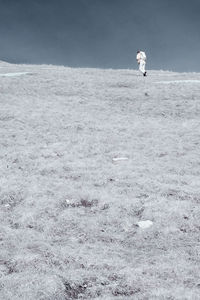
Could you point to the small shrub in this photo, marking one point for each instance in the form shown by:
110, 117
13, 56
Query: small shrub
74, 291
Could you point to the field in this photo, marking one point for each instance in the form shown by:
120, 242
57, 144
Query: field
85, 154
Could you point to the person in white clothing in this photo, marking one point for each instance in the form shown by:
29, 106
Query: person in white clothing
141, 59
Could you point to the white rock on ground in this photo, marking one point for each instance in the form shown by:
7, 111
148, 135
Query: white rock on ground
145, 224
116, 159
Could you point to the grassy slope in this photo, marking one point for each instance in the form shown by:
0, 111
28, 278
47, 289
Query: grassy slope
68, 213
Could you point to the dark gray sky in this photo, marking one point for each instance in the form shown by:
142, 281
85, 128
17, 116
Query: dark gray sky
101, 33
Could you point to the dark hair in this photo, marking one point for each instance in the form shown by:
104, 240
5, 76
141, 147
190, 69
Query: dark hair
138, 51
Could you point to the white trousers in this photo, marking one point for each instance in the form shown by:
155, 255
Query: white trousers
142, 66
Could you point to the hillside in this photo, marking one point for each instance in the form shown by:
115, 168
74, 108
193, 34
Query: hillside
86, 154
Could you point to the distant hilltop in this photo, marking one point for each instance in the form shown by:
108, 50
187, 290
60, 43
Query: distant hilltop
4, 63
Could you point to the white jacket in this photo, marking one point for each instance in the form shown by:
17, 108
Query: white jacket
141, 56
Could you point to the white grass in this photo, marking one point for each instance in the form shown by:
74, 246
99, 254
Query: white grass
13, 74
179, 81
68, 214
